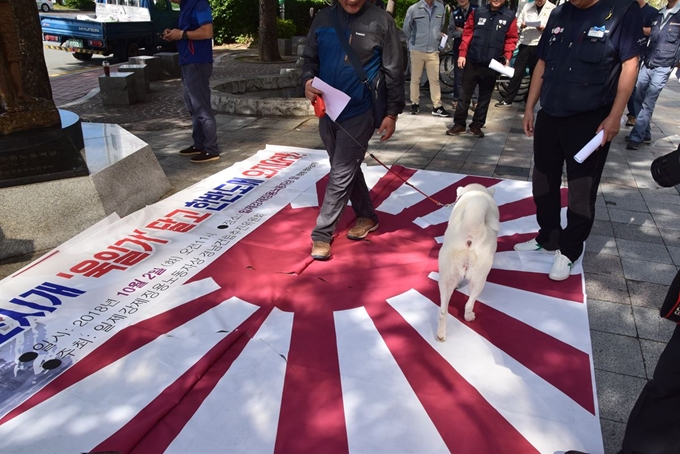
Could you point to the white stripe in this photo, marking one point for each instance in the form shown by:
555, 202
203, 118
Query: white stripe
547, 418
382, 413
241, 415
84, 415
507, 191
405, 196
532, 262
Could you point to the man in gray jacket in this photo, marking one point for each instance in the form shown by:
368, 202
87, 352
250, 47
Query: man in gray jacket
423, 29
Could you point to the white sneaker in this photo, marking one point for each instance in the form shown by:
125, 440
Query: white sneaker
561, 267
530, 246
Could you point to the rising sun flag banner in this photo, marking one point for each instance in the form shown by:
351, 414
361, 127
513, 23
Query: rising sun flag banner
201, 324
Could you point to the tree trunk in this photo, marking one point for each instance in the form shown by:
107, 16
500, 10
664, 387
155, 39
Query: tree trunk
391, 6
268, 42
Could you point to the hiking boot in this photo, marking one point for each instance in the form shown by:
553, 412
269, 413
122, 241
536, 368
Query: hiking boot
457, 129
321, 250
632, 145
476, 131
440, 112
362, 228
189, 151
503, 104
561, 268
530, 246
415, 109
631, 120
205, 157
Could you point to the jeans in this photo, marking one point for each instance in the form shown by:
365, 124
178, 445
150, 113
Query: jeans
196, 85
650, 82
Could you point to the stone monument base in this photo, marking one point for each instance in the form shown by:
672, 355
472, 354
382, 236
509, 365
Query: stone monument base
42, 154
40, 113
124, 177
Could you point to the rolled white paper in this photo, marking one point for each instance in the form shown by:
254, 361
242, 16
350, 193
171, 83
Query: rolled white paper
533, 23
588, 149
442, 43
505, 70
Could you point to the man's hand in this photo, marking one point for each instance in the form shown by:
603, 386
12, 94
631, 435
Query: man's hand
310, 92
540, 28
459, 29
611, 126
461, 62
388, 125
528, 122
172, 35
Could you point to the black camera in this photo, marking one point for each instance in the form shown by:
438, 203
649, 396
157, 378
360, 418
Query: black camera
666, 169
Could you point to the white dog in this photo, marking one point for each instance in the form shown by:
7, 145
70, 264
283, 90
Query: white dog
468, 249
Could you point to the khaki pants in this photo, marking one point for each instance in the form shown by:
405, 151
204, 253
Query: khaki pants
431, 63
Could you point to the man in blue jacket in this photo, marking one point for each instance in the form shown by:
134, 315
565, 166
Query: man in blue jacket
194, 43
372, 35
661, 55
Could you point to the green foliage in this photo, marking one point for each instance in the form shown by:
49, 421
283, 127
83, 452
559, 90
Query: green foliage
400, 11
298, 12
84, 5
285, 29
232, 18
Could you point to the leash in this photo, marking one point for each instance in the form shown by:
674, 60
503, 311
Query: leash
320, 111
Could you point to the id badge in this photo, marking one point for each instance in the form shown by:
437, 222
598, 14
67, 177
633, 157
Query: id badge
595, 32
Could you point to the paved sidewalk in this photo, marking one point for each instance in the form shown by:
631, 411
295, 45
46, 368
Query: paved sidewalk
631, 256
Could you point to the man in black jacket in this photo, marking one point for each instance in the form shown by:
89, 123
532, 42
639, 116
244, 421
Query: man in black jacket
587, 61
373, 37
490, 33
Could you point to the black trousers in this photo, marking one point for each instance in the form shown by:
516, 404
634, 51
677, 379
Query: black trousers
475, 74
556, 141
654, 423
526, 56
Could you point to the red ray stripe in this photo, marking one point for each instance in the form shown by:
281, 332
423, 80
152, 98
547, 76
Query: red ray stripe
563, 366
118, 346
158, 424
465, 420
517, 209
312, 418
570, 289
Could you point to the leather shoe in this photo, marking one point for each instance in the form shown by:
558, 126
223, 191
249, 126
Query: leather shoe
362, 228
457, 129
321, 250
476, 131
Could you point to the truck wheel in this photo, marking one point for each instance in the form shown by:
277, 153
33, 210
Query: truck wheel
132, 50
123, 51
82, 56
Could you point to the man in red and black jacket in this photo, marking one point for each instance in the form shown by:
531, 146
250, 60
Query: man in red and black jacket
490, 33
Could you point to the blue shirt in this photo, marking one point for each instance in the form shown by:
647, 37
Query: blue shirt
193, 14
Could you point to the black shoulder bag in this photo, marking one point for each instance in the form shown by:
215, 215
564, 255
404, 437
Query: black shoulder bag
376, 86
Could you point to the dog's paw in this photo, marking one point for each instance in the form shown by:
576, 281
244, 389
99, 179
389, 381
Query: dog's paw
441, 338
469, 316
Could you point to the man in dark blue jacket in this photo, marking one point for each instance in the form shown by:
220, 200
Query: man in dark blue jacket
455, 32
194, 43
661, 55
372, 35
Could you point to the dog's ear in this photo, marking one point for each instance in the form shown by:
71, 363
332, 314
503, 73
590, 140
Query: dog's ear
460, 191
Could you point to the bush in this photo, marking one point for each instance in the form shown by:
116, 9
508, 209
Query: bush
232, 18
285, 29
84, 5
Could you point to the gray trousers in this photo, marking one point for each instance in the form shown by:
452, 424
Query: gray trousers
196, 85
346, 180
